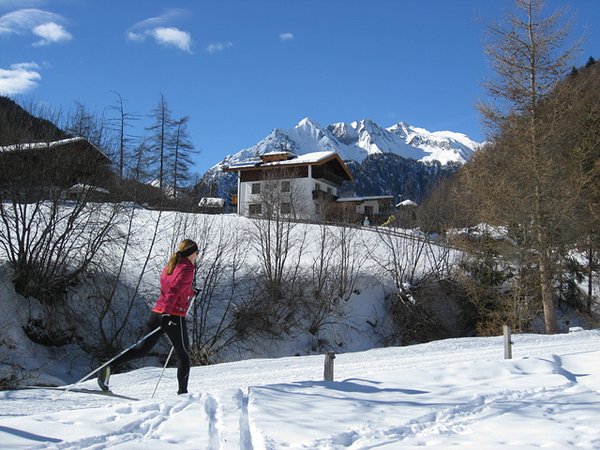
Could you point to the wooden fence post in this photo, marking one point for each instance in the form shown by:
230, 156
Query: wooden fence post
507, 343
328, 372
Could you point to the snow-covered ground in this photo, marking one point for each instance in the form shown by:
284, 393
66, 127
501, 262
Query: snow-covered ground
457, 392
439, 395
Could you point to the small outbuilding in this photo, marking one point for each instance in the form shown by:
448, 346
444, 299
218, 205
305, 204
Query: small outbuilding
211, 205
407, 212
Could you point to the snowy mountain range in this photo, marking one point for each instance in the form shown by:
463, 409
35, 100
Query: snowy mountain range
413, 159
357, 140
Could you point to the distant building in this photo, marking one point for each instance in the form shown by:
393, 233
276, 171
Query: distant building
295, 186
371, 207
407, 213
89, 192
211, 205
63, 163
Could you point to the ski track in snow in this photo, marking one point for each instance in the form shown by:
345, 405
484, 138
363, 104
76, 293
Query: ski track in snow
453, 420
459, 418
147, 420
210, 408
229, 426
212, 414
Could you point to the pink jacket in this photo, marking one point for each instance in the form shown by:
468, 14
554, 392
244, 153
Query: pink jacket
176, 289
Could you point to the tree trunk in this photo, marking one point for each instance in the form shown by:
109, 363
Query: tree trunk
547, 297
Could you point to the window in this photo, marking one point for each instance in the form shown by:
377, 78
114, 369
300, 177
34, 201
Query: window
285, 186
256, 188
330, 191
255, 209
286, 208
317, 186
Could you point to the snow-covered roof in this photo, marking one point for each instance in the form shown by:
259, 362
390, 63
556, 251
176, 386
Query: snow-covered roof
212, 202
311, 158
315, 158
364, 199
406, 203
307, 158
81, 187
47, 145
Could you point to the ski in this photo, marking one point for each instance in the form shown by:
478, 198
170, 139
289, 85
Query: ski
83, 391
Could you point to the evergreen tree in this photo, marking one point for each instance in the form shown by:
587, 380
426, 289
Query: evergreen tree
590, 62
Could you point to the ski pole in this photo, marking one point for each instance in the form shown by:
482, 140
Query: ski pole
71, 386
172, 347
163, 370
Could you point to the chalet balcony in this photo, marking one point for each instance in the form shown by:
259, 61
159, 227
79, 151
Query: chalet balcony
322, 196
325, 174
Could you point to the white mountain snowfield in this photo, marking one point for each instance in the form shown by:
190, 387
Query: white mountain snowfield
356, 140
457, 393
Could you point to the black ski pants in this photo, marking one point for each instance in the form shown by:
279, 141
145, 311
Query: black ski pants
177, 333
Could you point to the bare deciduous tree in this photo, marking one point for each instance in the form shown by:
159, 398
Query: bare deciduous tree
182, 150
158, 141
120, 125
279, 246
528, 57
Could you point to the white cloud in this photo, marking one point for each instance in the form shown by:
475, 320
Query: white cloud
51, 33
135, 37
218, 47
20, 78
286, 37
171, 36
158, 29
43, 24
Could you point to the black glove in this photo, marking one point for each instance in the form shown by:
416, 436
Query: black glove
165, 321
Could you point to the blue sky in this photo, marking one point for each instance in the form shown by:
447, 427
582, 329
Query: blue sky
240, 68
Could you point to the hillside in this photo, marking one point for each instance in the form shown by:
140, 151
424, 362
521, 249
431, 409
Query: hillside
359, 308
19, 126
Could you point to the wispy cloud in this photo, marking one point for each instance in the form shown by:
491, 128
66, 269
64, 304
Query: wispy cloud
218, 47
161, 31
13, 4
23, 20
43, 24
286, 37
19, 78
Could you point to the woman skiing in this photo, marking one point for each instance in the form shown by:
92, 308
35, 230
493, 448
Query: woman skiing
169, 314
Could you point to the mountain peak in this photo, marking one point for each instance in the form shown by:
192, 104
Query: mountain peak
308, 123
365, 123
356, 140
400, 128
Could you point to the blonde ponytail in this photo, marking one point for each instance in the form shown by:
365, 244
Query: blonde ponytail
176, 257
